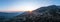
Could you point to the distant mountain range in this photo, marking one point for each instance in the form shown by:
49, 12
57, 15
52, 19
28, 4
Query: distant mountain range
43, 14
11, 14
8, 15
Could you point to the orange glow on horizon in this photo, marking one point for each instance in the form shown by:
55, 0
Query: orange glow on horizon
30, 11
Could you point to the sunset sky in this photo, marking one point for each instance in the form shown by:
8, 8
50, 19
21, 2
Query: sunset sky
25, 5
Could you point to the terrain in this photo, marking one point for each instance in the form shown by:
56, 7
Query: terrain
4, 16
43, 14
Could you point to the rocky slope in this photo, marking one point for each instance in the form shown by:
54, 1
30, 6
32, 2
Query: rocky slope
43, 14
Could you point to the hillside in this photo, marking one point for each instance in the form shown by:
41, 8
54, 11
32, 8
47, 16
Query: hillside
43, 14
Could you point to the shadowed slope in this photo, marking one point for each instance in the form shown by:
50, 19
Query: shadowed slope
43, 14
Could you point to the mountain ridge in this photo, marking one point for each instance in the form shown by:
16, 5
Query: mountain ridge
43, 14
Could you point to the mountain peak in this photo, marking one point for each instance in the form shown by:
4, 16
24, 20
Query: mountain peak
53, 5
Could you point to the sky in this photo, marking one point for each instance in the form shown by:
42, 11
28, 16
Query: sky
25, 5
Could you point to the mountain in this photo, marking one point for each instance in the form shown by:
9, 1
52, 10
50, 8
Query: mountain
43, 14
8, 15
5, 14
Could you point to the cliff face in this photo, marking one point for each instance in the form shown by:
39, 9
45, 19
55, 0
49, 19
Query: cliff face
43, 14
